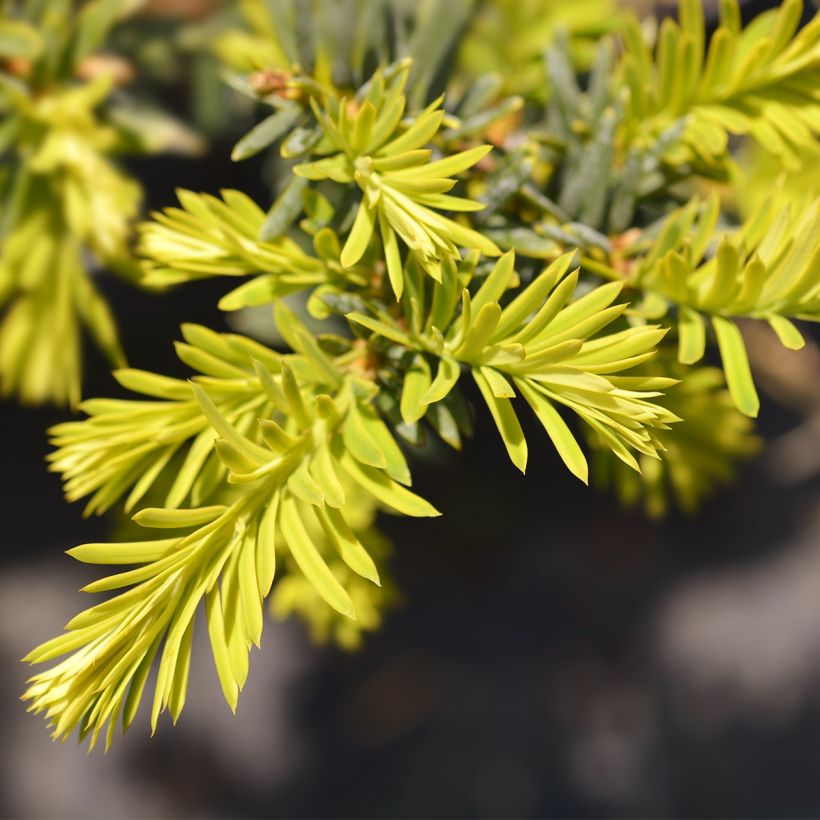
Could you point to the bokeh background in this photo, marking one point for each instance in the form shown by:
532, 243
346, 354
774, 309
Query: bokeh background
554, 655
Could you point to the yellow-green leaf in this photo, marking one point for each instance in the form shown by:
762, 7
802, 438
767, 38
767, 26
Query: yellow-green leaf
506, 421
736, 366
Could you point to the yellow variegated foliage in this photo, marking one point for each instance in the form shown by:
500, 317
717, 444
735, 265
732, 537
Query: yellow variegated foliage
767, 269
541, 345
757, 171
270, 465
294, 594
124, 444
66, 208
508, 37
209, 236
403, 191
760, 81
71, 202
700, 453
312, 439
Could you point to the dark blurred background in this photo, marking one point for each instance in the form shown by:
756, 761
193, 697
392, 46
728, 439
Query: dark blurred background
554, 656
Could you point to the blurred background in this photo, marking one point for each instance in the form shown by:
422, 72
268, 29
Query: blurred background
553, 655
